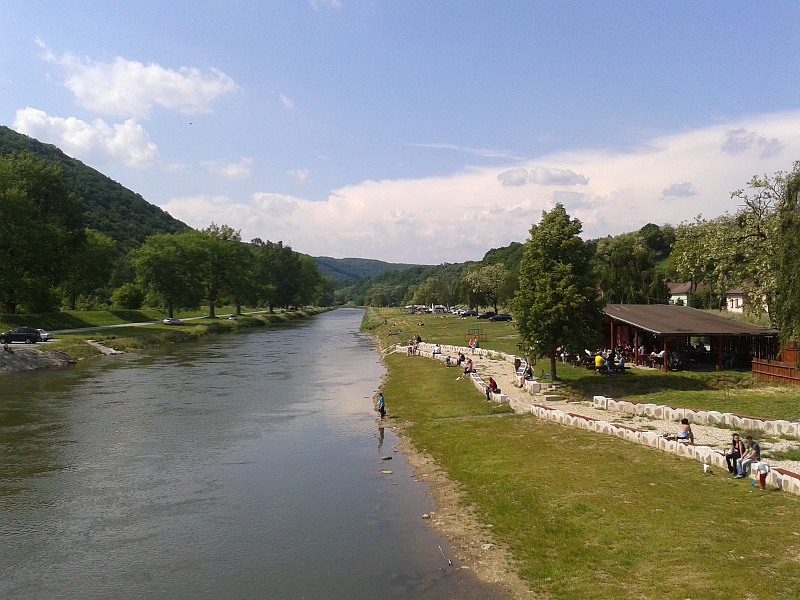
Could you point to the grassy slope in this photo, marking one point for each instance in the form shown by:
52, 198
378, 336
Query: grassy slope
589, 516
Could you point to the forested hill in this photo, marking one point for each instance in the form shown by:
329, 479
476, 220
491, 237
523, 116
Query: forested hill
348, 270
108, 207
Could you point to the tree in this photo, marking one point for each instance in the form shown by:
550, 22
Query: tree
91, 268
787, 297
276, 269
224, 265
739, 250
557, 303
490, 282
41, 229
167, 266
628, 270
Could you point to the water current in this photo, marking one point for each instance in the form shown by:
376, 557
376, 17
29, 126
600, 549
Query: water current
238, 467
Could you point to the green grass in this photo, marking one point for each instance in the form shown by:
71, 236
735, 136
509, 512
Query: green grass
98, 318
589, 516
136, 338
724, 391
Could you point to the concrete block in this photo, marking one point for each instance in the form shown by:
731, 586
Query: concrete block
633, 436
717, 459
629, 408
552, 398
673, 414
600, 402
767, 427
785, 428
734, 421
670, 446
648, 438
613, 405
649, 410
713, 417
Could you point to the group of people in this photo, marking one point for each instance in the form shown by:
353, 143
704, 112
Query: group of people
738, 458
474, 344
741, 456
608, 365
413, 343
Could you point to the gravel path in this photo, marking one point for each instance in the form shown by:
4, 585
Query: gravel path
707, 435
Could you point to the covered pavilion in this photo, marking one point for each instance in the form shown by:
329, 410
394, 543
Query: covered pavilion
671, 328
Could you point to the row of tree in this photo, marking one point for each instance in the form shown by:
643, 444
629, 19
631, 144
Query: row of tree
628, 268
49, 259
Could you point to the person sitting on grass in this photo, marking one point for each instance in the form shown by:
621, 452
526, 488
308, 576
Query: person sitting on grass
752, 455
685, 433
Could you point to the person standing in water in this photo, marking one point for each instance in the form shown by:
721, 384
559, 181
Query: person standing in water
382, 406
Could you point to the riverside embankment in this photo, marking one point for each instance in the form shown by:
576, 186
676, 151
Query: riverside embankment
582, 515
76, 343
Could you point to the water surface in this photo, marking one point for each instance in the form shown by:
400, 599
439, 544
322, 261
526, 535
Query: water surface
244, 466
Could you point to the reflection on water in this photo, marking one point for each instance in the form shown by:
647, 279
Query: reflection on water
241, 467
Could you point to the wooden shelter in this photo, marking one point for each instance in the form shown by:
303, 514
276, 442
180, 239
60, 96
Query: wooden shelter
672, 329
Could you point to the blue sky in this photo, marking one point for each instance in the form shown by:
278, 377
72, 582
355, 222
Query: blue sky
409, 131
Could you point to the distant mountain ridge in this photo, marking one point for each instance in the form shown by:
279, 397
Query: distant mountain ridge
349, 270
108, 206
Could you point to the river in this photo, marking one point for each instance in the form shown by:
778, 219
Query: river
237, 467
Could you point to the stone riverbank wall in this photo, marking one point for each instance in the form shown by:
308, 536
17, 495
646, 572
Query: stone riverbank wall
777, 477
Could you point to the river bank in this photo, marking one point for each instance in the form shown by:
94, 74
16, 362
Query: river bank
90, 342
580, 515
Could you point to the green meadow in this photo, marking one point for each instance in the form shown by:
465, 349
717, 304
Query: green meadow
589, 516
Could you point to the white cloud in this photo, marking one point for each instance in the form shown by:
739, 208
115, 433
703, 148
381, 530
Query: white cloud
485, 153
320, 4
299, 176
126, 88
741, 140
231, 171
286, 101
680, 190
96, 141
459, 216
518, 176
541, 176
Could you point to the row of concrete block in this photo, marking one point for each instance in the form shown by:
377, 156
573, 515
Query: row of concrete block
780, 478
773, 427
426, 350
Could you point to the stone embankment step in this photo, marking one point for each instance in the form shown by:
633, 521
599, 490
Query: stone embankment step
528, 400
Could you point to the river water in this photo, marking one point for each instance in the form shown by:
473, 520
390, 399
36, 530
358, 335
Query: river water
243, 466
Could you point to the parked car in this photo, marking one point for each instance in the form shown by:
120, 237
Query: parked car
29, 335
172, 321
487, 315
468, 313
233, 318
45, 337
501, 317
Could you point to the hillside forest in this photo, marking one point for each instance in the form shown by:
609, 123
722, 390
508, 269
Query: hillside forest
71, 238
